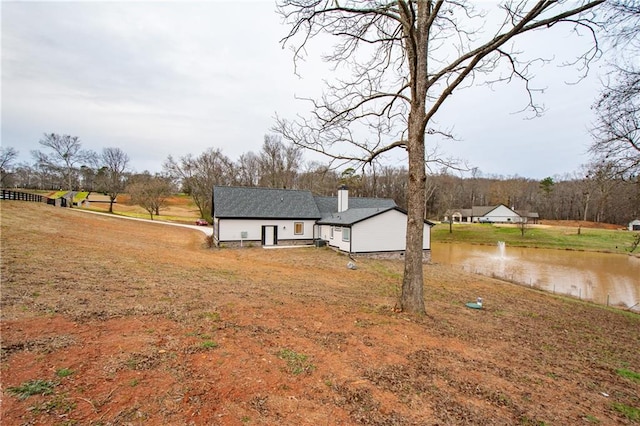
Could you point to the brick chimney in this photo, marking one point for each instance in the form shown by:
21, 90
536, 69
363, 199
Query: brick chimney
343, 198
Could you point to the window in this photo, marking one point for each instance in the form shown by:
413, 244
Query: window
346, 234
331, 232
298, 228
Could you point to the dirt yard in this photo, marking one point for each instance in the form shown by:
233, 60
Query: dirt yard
113, 322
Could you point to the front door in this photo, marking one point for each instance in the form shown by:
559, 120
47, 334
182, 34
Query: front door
269, 235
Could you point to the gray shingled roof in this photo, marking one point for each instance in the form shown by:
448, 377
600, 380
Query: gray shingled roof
269, 203
351, 216
477, 211
251, 202
330, 204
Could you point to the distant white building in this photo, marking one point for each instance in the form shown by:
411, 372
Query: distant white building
634, 225
489, 214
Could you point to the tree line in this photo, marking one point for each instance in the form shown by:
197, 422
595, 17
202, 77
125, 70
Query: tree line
593, 194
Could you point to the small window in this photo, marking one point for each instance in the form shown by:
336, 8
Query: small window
346, 234
331, 232
298, 228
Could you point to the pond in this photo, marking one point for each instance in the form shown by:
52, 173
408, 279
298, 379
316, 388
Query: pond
612, 279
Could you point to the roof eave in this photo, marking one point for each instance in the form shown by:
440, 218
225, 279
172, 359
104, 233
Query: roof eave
267, 217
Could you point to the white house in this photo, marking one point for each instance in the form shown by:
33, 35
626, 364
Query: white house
498, 214
634, 225
270, 217
488, 214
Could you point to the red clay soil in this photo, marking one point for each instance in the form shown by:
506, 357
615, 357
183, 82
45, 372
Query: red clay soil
139, 323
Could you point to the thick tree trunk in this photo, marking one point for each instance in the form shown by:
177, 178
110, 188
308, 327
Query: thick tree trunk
412, 284
412, 299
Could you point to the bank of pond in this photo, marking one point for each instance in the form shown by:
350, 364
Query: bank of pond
611, 279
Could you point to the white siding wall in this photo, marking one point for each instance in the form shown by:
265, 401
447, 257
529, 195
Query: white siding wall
230, 229
426, 236
385, 232
336, 241
324, 232
501, 214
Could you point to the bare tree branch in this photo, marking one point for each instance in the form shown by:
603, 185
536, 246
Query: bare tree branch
404, 60
616, 133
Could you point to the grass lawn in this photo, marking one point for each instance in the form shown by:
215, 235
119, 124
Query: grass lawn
541, 236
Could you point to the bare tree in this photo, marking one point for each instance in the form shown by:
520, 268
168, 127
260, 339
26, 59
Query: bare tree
247, 169
392, 183
7, 157
65, 157
318, 178
635, 243
616, 133
88, 178
406, 59
198, 176
623, 19
452, 193
113, 177
279, 163
522, 224
24, 176
150, 192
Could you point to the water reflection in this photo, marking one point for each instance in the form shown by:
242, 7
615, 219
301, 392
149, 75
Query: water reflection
599, 277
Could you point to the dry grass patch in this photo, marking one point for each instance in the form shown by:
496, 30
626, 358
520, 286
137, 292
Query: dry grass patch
157, 329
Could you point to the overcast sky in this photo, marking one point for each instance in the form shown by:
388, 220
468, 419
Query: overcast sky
175, 78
